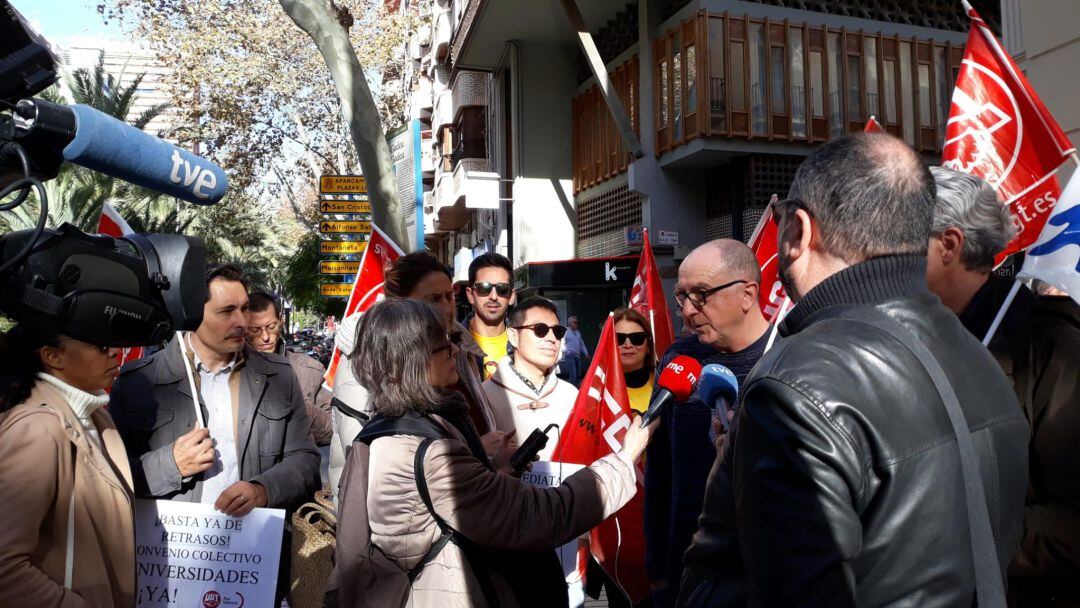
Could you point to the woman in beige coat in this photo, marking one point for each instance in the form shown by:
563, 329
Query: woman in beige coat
386, 530
68, 536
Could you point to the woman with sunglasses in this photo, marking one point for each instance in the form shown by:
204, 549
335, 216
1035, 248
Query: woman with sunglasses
425, 520
68, 537
636, 353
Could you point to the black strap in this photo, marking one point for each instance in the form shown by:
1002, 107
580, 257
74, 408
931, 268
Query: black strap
421, 485
344, 408
989, 588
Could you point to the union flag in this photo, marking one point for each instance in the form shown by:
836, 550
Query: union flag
1000, 130
647, 297
367, 288
873, 126
595, 428
771, 296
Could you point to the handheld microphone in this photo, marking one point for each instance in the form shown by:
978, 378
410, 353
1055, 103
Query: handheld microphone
536, 441
718, 388
102, 143
677, 382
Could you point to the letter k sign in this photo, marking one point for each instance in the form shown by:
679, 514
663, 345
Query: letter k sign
609, 272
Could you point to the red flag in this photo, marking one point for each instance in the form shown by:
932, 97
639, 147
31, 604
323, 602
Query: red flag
367, 289
595, 428
873, 126
1000, 130
771, 294
113, 224
647, 297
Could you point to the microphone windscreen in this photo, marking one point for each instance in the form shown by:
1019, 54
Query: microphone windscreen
717, 381
680, 376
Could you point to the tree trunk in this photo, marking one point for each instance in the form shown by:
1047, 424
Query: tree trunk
358, 109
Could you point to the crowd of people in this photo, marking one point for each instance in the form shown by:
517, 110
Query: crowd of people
879, 453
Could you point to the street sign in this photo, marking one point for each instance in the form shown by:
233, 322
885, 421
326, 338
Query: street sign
335, 290
338, 267
342, 246
345, 206
335, 227
667, 237
342, 184
634, 236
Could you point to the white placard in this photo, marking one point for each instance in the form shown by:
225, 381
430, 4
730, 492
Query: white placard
550, 474
192, 556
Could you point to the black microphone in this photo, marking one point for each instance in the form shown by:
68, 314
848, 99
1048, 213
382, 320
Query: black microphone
536, 441
677, 382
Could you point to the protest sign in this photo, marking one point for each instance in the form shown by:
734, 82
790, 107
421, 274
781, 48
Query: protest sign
550, 474
193, 556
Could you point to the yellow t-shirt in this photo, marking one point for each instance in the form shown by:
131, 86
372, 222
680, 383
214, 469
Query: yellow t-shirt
494, 350
639, 397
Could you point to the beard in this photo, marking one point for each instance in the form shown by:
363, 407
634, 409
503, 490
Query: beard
786, 278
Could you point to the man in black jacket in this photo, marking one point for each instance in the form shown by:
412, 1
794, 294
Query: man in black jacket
841, 484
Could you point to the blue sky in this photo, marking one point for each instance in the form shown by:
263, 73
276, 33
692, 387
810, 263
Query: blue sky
60, 21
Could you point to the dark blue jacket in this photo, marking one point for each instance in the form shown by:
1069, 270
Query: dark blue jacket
678, 461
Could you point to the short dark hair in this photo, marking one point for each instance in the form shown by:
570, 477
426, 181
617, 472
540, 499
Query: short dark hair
870, 194
225, 272
260, 300
407, 271
517, 316
490, 260
395, 340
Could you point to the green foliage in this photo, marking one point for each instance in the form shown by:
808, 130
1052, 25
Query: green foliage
302, 279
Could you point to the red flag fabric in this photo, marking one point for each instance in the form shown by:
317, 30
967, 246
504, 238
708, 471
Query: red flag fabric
873, 126
595, 428
1000, 130
113, 224
367, 289
647, 297
771, 294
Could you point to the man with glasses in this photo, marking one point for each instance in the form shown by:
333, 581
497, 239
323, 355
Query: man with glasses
491, 294
265, 325
525, 395
717, 295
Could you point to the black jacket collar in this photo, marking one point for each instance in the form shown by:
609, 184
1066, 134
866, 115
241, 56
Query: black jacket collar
871, 282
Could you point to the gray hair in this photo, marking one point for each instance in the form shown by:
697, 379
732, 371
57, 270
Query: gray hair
395, 340
967, 202
870, 194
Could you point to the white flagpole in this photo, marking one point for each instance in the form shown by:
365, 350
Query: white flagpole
1001, 313
776, 324
191, 380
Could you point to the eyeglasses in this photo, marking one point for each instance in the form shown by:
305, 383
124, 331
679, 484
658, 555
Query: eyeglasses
637, 338
451, 342
98, 347
698, 297
780, 207
271, 329
542, 329
483, 288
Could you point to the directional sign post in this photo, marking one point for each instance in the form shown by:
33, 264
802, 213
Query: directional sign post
342, 247
331, 206
335, 290
338, 267
344, 227
342, 184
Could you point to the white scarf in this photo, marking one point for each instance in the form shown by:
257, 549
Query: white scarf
82, 403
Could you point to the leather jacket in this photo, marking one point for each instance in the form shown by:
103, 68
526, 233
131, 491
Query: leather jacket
841, 483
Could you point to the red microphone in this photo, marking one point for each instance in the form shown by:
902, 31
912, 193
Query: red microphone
678, 380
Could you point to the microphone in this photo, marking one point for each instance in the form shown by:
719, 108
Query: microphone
102, 143
677, 382
718, 388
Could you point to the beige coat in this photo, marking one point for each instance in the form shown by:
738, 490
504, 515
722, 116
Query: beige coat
491, 509
44, 453
510, 400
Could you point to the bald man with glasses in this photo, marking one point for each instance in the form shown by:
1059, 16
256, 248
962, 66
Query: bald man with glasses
717, 296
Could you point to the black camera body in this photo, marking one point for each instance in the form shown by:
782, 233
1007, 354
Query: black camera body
130, 291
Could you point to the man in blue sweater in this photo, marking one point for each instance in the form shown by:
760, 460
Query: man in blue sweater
717, 293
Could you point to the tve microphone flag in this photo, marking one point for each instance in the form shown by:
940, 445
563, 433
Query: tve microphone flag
368, 286
1055, 257
647, 297
1000, 130
771, 294
113, 224
595, 428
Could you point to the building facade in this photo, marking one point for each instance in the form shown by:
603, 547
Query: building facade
724, 98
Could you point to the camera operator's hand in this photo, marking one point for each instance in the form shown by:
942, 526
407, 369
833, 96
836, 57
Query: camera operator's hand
637, 438
193, 452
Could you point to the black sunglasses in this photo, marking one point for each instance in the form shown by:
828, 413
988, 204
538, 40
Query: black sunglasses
637, 338
541, 330
483, 288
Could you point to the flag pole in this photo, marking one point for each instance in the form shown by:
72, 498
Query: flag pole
776, 324
191, 380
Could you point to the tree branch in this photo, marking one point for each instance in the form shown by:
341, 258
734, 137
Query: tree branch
292, 201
